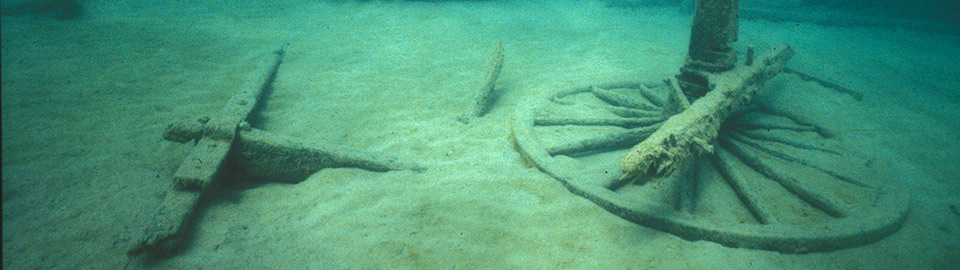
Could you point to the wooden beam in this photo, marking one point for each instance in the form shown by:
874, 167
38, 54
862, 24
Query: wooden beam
689, 133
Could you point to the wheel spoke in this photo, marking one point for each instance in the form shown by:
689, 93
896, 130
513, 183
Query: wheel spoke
619, 122
816, 198
615, 140
728, 167
764, 137
620, 100
795, 159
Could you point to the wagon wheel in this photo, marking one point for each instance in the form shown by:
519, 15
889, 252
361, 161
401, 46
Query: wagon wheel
773, 181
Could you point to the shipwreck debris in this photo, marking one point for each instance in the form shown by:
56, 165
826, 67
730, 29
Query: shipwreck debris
689, 133
227, 138
728, 168
485, 95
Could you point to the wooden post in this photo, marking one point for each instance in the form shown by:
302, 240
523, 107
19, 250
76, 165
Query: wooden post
711, 38
484, 97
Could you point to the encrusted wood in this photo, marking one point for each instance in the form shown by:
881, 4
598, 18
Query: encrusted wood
228, 138
773, 179
689, 133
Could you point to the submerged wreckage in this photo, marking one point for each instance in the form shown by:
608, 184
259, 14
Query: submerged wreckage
227, 142
698, 156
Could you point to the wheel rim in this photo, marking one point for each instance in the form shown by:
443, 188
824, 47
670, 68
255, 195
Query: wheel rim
773, 182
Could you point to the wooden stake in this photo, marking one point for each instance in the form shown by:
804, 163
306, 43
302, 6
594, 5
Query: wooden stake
483, 99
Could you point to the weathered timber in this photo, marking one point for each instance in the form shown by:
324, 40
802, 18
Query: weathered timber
484, 96
686, 134
228, 139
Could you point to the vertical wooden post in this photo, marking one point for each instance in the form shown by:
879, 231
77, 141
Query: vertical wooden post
711, 38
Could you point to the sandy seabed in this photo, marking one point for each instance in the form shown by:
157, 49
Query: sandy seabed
84, 103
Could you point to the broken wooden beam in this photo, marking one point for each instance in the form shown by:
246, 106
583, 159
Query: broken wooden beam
689, 133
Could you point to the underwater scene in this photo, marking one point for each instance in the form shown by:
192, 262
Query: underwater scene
480, 134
